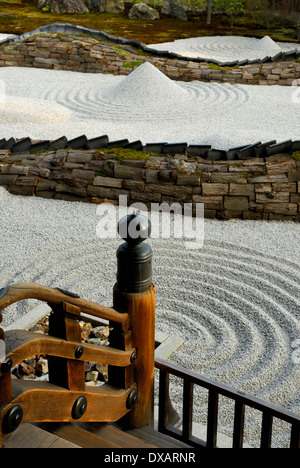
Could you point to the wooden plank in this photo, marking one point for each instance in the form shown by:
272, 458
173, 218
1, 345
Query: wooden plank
97, 435
30, 436
156, 439
115, 435
79, 436
87, 435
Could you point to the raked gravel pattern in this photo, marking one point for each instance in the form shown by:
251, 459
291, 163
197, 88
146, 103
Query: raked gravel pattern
235, 301
227, 48
146, 106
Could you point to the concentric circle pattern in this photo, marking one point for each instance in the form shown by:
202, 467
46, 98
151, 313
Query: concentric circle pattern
148, 106
226, 48
195, 100
236, 309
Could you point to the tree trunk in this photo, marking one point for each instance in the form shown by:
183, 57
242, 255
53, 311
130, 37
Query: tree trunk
209, 10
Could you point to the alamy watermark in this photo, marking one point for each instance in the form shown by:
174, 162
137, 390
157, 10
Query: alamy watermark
2, 91
174, 221
296, 92
296, 353
2, 351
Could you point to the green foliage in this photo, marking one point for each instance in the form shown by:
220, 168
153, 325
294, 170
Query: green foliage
122, 153
120, 51
195, 4
133, 64
232, 8
214, 66
46, 9
296, 156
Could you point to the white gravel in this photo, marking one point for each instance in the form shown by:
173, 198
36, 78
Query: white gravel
235, 301
5, 36
226, 48
146, 106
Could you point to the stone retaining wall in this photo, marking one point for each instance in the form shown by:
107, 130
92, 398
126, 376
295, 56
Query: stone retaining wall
90, 55
256, 189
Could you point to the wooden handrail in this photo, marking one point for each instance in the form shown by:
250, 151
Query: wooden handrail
241, 399
20, 291
31, 344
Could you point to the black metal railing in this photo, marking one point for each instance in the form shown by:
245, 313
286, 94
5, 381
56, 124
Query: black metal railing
242, 400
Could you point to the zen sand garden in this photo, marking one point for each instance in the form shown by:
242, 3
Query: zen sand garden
235, 302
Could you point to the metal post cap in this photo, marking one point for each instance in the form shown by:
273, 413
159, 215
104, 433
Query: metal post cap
134, 273
134, 228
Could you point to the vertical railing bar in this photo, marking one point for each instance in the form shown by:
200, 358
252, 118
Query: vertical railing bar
295, 437
266, 430
212, 419
164, 378
238, 427
187, 410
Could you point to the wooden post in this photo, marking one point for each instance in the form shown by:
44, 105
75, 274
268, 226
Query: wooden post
5, 380
63, 323
134, 294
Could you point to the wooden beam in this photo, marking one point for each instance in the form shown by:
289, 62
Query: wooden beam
45, 402
21, 291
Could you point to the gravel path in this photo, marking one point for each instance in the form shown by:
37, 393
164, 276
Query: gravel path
146, 106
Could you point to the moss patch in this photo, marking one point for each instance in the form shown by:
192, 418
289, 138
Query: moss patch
120, 51
296, 156
213, 66
134, 63
123, 153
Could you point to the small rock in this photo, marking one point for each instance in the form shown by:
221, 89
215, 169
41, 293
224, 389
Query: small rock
97, 341
141, 11
27, 367
86, 328
174, 9
42, 366
92, 376
100, 332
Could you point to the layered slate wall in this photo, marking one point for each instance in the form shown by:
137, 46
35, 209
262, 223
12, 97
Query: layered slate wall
90, 55
256, 189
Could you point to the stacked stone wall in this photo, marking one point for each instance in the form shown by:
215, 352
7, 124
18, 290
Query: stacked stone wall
256, 189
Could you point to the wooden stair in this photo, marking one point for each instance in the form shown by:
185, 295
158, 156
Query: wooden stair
87, 435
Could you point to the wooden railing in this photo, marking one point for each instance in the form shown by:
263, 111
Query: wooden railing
129, 392
65, 397
241, 400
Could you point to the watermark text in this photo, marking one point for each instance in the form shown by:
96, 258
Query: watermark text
174, 221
